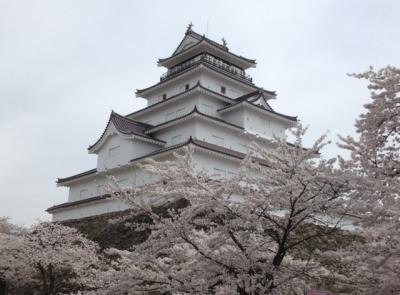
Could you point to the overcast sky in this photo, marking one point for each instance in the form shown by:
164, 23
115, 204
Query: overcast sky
64, 65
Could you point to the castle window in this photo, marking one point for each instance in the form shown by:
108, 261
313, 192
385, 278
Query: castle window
218, 140
232, 174
114, 151
100, 189
243, 147
169, 116
220, 172
123, 183
223, 90
176, 139
180, 112
83, 193
206, 108
187, 87
164, 96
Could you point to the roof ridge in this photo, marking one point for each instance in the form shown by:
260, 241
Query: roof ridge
200, 37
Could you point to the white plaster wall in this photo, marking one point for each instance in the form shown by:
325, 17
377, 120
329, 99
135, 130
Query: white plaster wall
209, 106
235, 116
177, 133
204, 103
264, 124
212, 133
96, 185
170, 111
208, 79
121, 155
119, 151
175, 87
141, 148
218, 166
214, 82
95, 208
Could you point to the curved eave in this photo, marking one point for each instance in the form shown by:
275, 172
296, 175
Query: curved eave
127, 135
82, 175
288, 119
96, 147
201, 65
69, 205
193, 114
206, 46
197, 88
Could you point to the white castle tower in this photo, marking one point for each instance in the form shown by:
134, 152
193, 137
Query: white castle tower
205, 100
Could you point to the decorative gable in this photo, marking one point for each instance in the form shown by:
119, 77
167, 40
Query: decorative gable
261, 101
126, 129
188, 41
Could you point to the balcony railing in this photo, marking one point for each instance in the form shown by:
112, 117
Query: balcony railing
209, 59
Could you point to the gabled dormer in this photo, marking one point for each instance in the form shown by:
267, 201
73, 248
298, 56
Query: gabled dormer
122, 140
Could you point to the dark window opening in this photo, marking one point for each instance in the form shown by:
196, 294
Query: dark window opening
223, 90
187, 87
164, 96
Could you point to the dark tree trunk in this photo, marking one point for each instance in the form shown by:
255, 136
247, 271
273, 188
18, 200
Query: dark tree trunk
3, 287
279, 256
51, 280
43, 275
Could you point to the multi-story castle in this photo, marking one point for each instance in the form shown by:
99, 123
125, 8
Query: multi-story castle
205, 100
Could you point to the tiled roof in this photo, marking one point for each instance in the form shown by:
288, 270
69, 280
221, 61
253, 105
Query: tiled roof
127, 126
65, 179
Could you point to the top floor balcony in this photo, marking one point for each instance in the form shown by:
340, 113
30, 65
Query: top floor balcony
211, 60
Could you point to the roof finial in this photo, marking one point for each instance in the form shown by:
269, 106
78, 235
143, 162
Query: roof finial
224, 42
189, 27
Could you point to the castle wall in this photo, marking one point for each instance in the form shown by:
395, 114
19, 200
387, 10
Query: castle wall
132, 176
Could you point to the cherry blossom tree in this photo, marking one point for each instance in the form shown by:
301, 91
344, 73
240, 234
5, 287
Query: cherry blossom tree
50, 259
375, 157
235, 235
14, 272
8, 228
